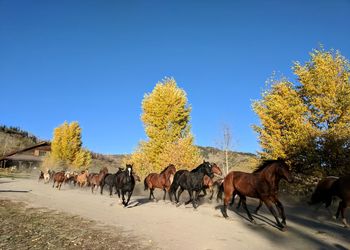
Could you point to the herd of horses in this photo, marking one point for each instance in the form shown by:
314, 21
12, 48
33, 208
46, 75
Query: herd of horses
262, 184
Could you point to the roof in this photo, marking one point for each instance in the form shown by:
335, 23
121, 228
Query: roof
26, 149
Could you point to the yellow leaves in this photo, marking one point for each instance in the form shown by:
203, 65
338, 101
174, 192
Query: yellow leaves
166, 116
66, 146
310, 119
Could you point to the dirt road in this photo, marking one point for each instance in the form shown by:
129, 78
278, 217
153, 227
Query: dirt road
166, 226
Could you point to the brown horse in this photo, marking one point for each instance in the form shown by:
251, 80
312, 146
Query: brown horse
260, 184
208, 183
162, 180
82, 178
95, 180
341, 189
59, 177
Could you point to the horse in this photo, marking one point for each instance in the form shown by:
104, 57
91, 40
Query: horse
341, 189
192, 182
322, 193
209, 183
47, 176
58, 177
162, 180
82, 178
261, 184
110, 180
214, 169
125, 183
41, 176
95, 180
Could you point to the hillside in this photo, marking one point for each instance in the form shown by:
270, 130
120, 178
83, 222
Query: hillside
238, 161
13, 138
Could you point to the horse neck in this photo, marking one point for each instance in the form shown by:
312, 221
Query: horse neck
270, 174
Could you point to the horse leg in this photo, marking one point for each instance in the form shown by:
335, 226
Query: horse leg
178, 195
341, 209
110, 190
195, 199
212, 193
123, 197
228, 194
53, 185
190, 193
268, 203
280, 209
164, 194
129, 195
244, 204
101, 187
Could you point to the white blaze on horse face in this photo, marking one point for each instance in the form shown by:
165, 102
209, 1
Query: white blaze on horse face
129, 169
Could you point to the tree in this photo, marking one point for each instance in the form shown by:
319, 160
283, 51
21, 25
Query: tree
66, 147
166, 117
308, 122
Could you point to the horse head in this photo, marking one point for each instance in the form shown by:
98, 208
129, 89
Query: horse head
216, 169
284, 171
207, 169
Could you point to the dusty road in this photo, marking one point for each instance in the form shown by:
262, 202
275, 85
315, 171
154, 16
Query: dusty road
166, 226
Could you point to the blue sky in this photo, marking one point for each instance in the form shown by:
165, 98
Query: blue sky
92, 62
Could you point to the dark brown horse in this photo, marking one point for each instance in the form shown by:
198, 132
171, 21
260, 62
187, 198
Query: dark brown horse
341, 189
260, 184
59, 177
322, 193
95, 180
162, 180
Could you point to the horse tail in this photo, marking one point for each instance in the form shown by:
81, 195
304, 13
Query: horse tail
145, 183
220, 192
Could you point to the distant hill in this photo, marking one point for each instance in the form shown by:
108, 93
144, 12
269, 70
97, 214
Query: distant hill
238, 161
14, 138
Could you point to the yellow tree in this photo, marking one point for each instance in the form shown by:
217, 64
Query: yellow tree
166, 117
308, 122
66, 146
284, 131
325, 90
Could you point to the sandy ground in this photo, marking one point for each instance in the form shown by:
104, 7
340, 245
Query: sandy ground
166, 226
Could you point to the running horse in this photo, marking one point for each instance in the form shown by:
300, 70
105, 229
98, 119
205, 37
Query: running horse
333, 186
95, 180
162, 180
261, 184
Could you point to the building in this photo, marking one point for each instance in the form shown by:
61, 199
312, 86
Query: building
26, 158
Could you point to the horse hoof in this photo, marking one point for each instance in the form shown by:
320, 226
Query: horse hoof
178, 204
253, 221
284, 223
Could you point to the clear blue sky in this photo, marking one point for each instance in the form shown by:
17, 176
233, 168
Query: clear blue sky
92, 61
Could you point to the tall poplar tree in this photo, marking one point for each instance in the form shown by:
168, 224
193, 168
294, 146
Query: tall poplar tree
66, 146
166, 116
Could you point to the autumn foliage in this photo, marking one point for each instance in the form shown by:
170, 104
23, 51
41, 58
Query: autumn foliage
66, 147
308, 122
166, 117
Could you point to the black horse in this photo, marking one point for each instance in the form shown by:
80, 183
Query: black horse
190, 181
125, 183
111, 181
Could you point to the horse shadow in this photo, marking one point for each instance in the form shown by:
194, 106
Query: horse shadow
15, 191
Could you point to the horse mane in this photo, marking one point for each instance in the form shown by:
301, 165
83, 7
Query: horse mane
264, 165
165, 169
